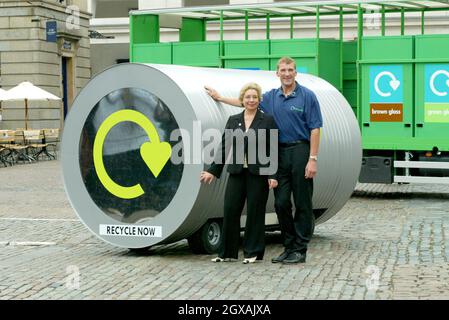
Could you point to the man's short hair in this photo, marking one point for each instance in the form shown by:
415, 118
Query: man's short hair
286, 60
248, 86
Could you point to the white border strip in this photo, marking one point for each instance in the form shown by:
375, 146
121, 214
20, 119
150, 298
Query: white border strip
413, 179
421, 164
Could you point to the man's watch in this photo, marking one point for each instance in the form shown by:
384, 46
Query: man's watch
314, 158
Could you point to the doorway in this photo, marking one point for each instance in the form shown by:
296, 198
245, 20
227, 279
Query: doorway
67, 83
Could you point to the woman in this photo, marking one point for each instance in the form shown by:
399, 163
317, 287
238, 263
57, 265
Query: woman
249, 179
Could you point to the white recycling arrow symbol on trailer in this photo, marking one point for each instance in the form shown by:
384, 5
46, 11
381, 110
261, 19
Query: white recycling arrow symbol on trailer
432, 83
394, 83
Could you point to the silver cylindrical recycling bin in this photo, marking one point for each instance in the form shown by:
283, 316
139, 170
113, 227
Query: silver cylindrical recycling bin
132, 142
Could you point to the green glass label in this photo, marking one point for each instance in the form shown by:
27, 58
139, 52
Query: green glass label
436, 112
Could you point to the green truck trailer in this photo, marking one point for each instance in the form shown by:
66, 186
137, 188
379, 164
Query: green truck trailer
397, 85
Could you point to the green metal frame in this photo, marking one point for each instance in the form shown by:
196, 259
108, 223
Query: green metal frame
196, 19
325, 8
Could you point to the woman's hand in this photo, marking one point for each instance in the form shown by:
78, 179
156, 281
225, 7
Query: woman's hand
272, 183
206, 177
213, 93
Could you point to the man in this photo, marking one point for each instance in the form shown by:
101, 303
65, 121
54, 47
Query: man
297, 114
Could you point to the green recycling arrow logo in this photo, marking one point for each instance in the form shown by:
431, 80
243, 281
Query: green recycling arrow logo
154, 152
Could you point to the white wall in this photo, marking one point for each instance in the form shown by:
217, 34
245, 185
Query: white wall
82, 4
248, 2
157, 4
106, 55
194, 3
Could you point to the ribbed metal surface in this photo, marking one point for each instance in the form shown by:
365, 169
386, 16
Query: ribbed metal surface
340, 146
182, 90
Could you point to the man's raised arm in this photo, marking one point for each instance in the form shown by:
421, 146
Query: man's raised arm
217, 97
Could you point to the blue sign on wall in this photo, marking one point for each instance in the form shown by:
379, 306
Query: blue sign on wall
386, 84
51, 31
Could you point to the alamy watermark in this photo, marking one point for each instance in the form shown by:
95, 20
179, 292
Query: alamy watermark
72, 280
373, 19
372, 283
231, 146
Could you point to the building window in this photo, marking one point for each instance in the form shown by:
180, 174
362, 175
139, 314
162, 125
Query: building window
118, 61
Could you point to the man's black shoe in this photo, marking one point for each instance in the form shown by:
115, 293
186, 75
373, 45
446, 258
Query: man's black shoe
281, 257
295, 257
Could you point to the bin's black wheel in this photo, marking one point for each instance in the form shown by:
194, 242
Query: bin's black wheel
208, 238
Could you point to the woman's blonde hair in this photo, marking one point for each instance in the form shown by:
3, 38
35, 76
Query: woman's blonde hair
249, 86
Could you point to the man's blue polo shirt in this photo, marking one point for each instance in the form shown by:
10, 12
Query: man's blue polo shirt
295, 115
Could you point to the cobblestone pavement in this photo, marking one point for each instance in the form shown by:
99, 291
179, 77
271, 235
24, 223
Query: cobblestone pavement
388, 242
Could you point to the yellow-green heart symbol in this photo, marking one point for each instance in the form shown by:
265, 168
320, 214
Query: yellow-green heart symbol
155, 153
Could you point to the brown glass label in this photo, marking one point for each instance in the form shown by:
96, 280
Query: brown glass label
386, 112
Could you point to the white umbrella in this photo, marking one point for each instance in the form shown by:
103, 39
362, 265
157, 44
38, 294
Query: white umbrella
27, 91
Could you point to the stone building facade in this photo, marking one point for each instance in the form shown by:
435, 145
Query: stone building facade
56, 60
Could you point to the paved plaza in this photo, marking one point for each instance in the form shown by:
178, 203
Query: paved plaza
388, 242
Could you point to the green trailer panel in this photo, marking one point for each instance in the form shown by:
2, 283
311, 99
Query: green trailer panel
304, 51
251, 54
350, 51
199, 54
192, 30
350, 73
349, 64
329, 60
394, 143
434, 46
350, 93
432, 90
387, 91
318, 57
152, 53
144, 29
387, 48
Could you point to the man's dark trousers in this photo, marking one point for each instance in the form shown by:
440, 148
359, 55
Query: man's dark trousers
297, 229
